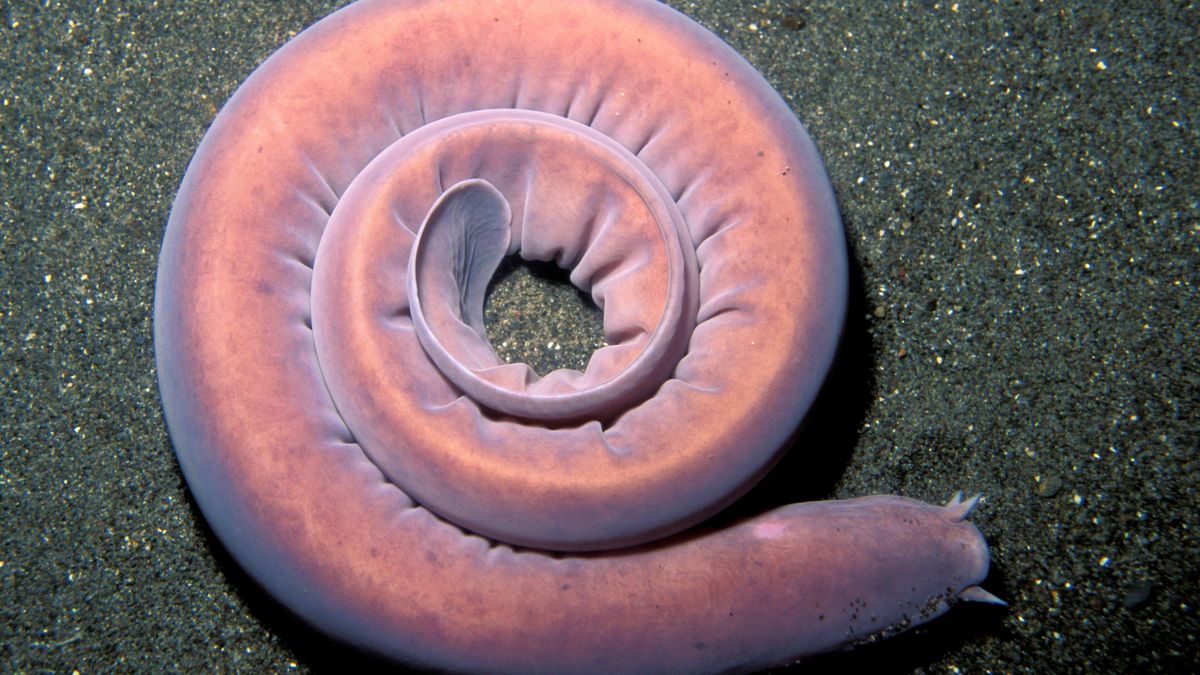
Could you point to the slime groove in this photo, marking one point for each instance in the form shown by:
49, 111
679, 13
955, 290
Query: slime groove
361, 450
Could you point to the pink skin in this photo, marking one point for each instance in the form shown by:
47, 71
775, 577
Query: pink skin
338, 412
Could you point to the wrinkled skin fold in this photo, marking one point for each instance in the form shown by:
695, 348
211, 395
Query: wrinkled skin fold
359, 448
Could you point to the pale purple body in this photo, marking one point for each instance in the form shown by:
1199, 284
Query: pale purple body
357, 445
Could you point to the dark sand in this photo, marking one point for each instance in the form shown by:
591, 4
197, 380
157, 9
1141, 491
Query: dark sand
1020, 195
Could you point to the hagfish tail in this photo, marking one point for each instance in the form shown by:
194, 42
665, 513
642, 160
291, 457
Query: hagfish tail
359, 448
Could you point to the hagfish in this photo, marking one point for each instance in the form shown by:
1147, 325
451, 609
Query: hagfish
359, 448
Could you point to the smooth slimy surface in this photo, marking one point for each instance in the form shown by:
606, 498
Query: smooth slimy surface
361, 450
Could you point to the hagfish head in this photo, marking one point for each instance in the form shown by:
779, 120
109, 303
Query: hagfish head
869, 568
930, 558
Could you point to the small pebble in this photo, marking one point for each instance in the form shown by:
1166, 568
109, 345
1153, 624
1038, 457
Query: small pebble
1138, 593
1049, 486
